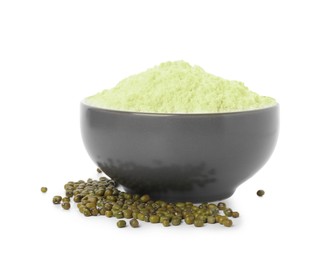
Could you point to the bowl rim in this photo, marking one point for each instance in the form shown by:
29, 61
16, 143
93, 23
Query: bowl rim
84, 103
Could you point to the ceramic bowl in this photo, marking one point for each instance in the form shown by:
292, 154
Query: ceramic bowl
180, 157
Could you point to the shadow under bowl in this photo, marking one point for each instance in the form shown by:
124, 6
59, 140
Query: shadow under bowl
180, 157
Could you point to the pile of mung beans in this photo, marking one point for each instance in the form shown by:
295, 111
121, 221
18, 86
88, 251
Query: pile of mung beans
101, 197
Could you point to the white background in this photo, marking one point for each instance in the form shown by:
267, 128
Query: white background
55, 53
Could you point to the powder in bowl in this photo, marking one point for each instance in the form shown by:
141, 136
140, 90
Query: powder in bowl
178, 87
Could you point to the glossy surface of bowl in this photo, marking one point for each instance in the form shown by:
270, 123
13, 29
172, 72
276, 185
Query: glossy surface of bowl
180, 157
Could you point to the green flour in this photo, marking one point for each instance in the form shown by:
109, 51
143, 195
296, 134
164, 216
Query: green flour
178, 87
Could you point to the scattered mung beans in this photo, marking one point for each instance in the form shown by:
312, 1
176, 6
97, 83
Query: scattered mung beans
221, 205
154, 219
227, 222
189, 219
198, 222
176, 221
66, 199
101, 197
211, 220
66, 205
121, 223
108, 213
166, 223
228, 212
44, 189
260, 193
235, 214
57, 199
134, 223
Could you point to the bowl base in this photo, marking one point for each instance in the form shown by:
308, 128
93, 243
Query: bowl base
184, 197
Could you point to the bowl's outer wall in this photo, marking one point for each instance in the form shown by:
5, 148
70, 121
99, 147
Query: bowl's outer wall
180, 157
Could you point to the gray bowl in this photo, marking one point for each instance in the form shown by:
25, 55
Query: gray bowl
180, 157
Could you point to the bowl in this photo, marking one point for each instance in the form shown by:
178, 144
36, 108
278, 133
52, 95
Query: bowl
180, 157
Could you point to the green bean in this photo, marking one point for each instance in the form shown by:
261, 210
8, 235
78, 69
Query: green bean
66, 205
57, 199
260, 193
121, 223
134, 223
198, 222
